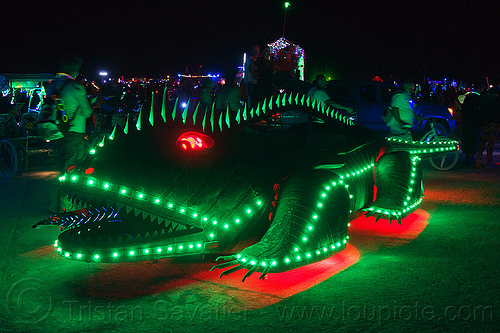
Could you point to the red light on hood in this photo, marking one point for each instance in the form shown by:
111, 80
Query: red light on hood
194, 140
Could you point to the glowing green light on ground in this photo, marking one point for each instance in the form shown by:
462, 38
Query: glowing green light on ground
182, 210
158, 250
157, 200
170, 205
226, 226
214, 222
170, 248
212, 235
73, 178
249, 211
79, 255
191, 246
92, 151
123, 191
310, 227
141, 195
315, 217
106, 185
237, 221
132, 253
115, 254
91, 182
273, 263
195, 215
198, 245
287, 260
181, 247
259, 203
66, 254
146, 251
96, 256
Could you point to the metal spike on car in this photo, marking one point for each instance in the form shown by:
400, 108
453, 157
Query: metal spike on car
125, 129
151, 117
138, 123
164, 105
185, 111
175, 108
195, 113
228, 120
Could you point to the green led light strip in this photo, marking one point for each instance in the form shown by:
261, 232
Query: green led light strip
133, 252
409, 207
427, 147
238, 218
297, 255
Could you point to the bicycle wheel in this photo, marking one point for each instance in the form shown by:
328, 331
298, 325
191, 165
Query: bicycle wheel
8, 159
445, 162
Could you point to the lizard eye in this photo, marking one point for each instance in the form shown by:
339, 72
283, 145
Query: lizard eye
194, 140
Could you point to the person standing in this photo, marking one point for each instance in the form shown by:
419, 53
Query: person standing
249, 80
489, 120
262, 70
77, 108
470, 127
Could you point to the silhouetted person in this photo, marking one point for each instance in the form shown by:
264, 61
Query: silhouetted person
249, 80
489, 105
72, 146
263, 70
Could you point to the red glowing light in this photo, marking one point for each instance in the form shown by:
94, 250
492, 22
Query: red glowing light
89, 171
194, 140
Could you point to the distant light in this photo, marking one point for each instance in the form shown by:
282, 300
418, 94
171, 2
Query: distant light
184, 104
103, 73
287, 4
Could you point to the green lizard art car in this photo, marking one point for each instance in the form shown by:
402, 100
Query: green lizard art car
208, 181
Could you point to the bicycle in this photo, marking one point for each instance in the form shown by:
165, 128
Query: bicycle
441, 162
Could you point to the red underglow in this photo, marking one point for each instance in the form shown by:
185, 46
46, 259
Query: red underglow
88, 171
410, 227
194, 140
287, 283
168, 277
367, 235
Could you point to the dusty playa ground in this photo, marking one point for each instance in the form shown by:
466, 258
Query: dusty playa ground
436, 272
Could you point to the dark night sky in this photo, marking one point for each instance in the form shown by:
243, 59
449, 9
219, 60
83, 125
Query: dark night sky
350, 39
